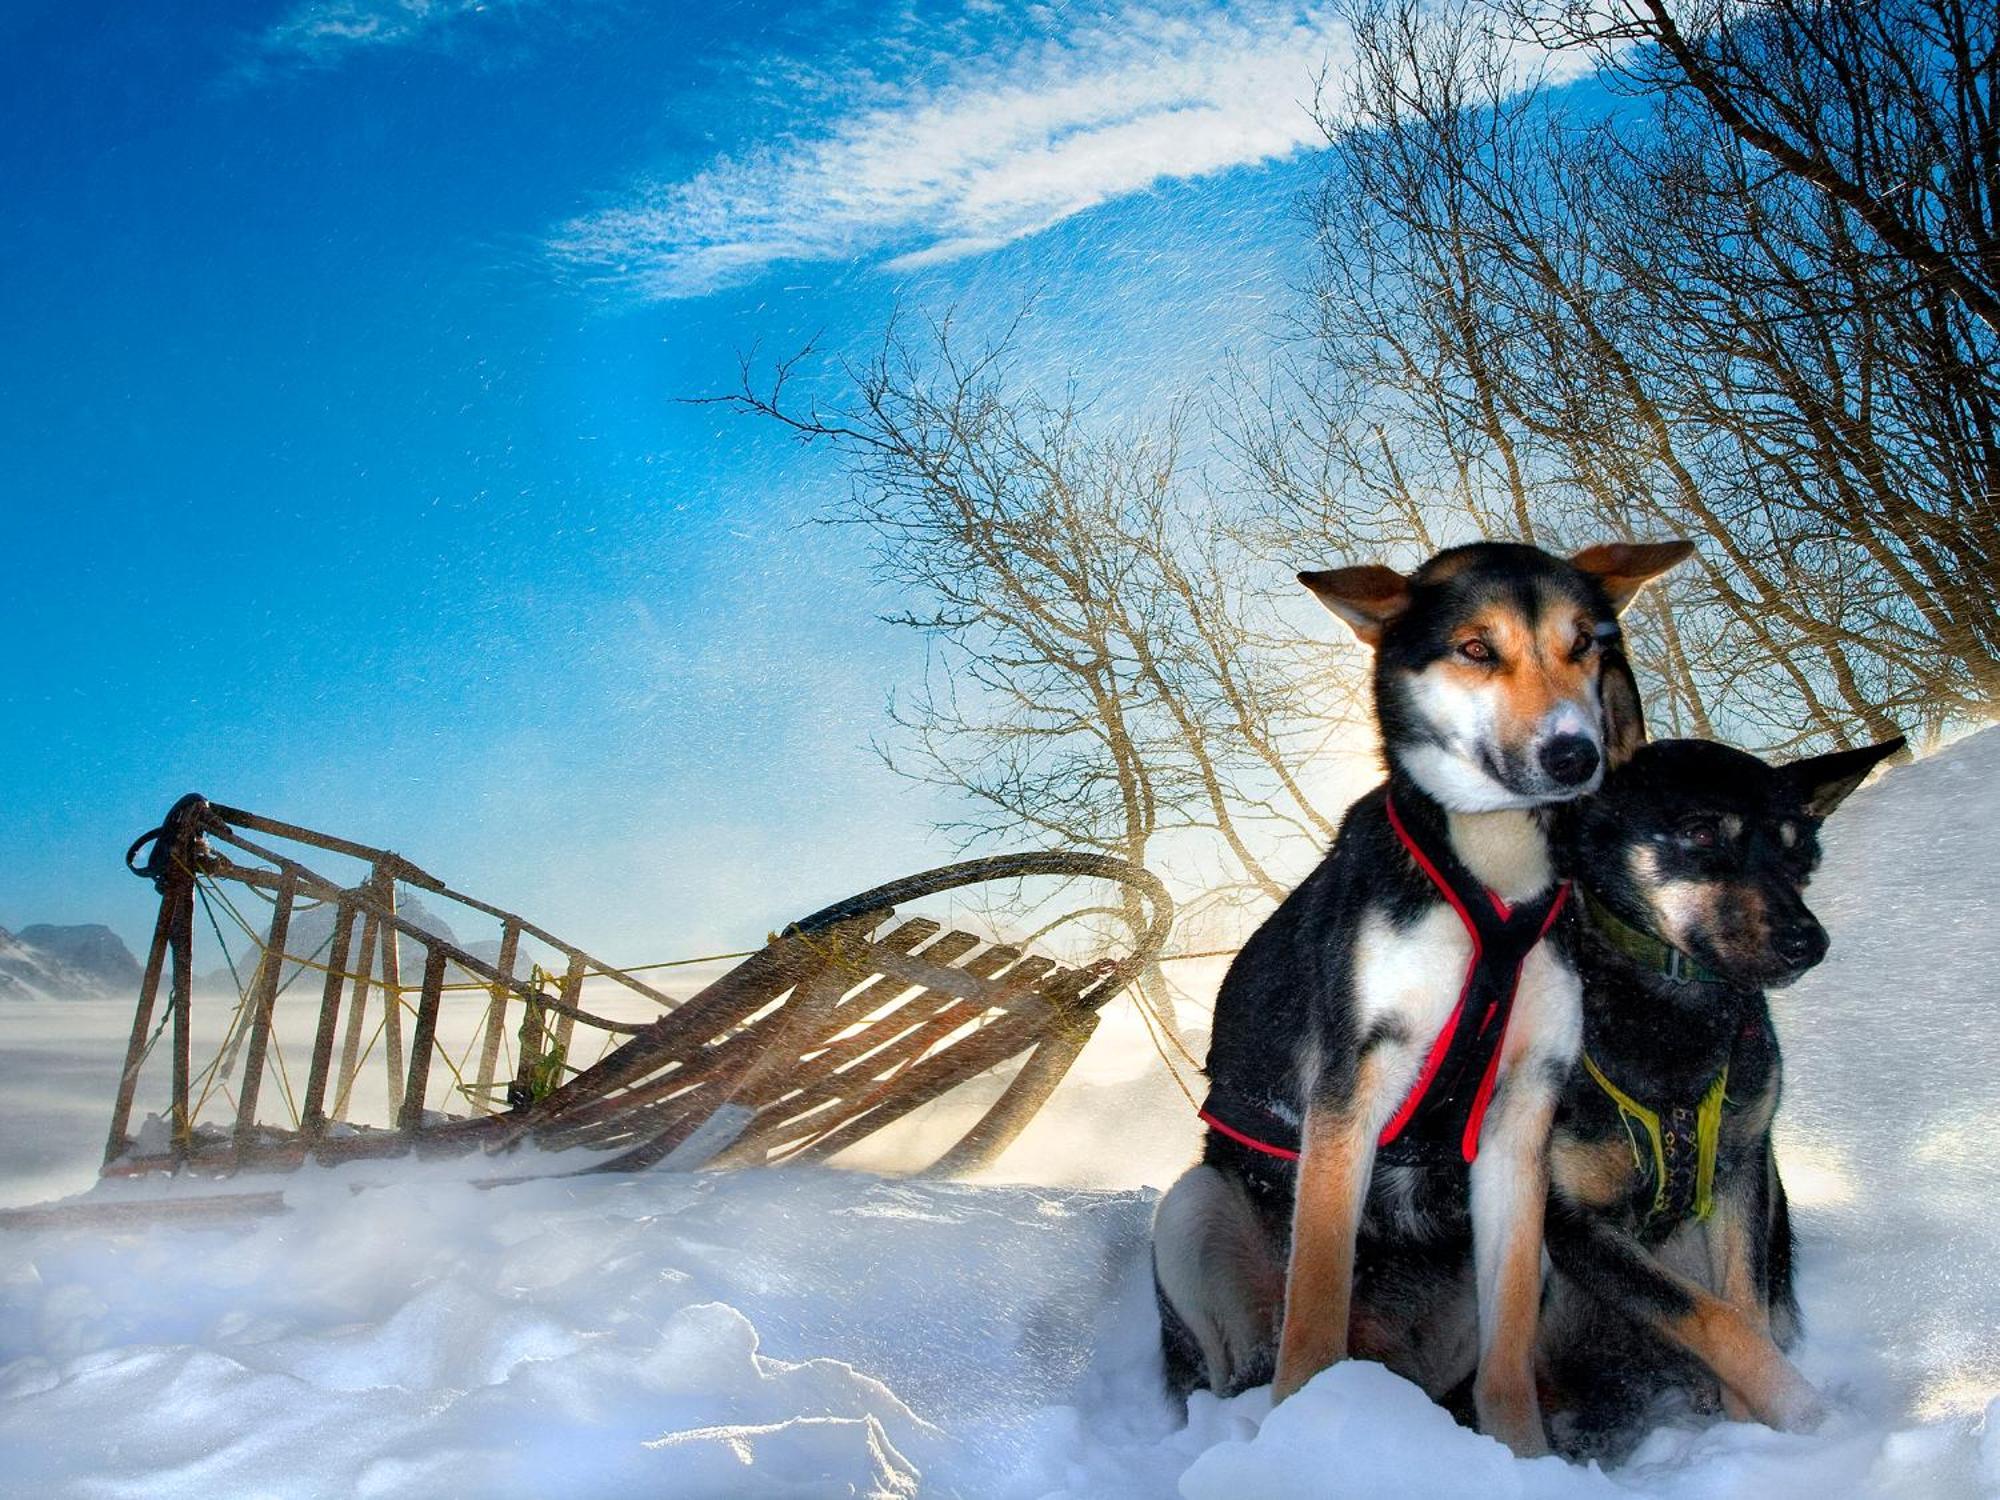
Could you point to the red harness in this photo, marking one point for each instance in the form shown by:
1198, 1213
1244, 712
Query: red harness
1442, 1114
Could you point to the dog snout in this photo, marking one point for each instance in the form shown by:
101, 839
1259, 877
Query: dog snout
1568, 759
1800, 944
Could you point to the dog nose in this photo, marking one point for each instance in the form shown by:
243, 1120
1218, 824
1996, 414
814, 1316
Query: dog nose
1802, 946
1569, 759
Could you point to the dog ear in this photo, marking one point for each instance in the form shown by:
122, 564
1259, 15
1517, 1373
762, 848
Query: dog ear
1368, 598
1624, 568
1824, 781
1618, 702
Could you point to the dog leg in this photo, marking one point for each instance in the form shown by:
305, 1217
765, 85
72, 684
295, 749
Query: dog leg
1509, 1189
1739, 1263
1730, 1277
1217, 1268
1336, 1158
1614, 1267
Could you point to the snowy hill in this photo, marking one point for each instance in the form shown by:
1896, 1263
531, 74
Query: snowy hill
817, 1333
48, 962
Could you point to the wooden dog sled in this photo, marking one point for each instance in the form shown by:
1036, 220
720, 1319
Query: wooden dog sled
365, 1027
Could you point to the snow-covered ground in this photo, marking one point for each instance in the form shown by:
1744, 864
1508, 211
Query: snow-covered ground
400, 1332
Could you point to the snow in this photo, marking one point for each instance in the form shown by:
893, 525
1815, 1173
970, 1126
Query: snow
402, 1332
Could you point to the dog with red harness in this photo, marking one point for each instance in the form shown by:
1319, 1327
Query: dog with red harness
1389, 1045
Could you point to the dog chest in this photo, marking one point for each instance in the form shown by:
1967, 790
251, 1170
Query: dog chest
1408, 977
1548, 1014
1408, 982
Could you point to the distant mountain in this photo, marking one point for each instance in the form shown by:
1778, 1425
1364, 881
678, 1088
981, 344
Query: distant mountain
46, 962
89, 962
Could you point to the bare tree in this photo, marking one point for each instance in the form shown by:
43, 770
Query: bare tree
1885, 107
1538, 322
1104, 674
1531, 317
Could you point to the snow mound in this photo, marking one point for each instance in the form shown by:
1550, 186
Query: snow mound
710, 1335
1357, 1433
401, 1332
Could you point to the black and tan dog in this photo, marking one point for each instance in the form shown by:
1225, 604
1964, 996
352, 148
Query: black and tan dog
1667, 1220
1389, 1045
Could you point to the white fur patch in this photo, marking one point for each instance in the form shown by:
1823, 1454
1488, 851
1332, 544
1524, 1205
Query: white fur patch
1454, 773
1466, 719
1215, 1265
1457, 783
1507, 852
1413, 975
1547, 1025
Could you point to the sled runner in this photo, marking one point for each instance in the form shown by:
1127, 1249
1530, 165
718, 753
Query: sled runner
362, 1025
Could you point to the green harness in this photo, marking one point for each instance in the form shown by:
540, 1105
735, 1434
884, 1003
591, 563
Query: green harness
1682, 1137
1681, 1160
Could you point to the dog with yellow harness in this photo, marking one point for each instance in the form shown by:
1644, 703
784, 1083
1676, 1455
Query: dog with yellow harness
1667, 1222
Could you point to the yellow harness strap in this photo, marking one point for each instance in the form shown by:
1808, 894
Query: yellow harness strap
1708, 1133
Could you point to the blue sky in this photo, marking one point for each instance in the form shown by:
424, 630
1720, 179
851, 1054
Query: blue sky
343, 471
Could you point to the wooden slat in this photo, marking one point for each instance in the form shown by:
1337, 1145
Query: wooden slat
947, 949
928, 1080
723, 1061
127, 1216
422, 1040
964, 981
312, 1119
263, 1000
812, 1000
181, 997
528, 1052
142, 1022
933, 1021
357, 1016
570, 994
863, 1077
753, 983
702, 1019
1022, 1099
800, 1021
392, 993
907, 1032
861, 1089
496, 1012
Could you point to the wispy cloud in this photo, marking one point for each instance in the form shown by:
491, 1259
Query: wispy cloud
322, 32
975, 149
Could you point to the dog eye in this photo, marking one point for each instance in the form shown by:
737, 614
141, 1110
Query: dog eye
1584, 641
1700, 835
1475, 650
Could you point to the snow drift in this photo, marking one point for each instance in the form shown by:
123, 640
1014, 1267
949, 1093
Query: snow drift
814, 1333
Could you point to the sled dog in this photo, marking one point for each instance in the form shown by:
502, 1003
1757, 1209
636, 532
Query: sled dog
1389, 1044
1667, 1223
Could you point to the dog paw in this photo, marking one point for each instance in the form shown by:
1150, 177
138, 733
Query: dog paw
1288, 1380
1801, 1408
1510, 1414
